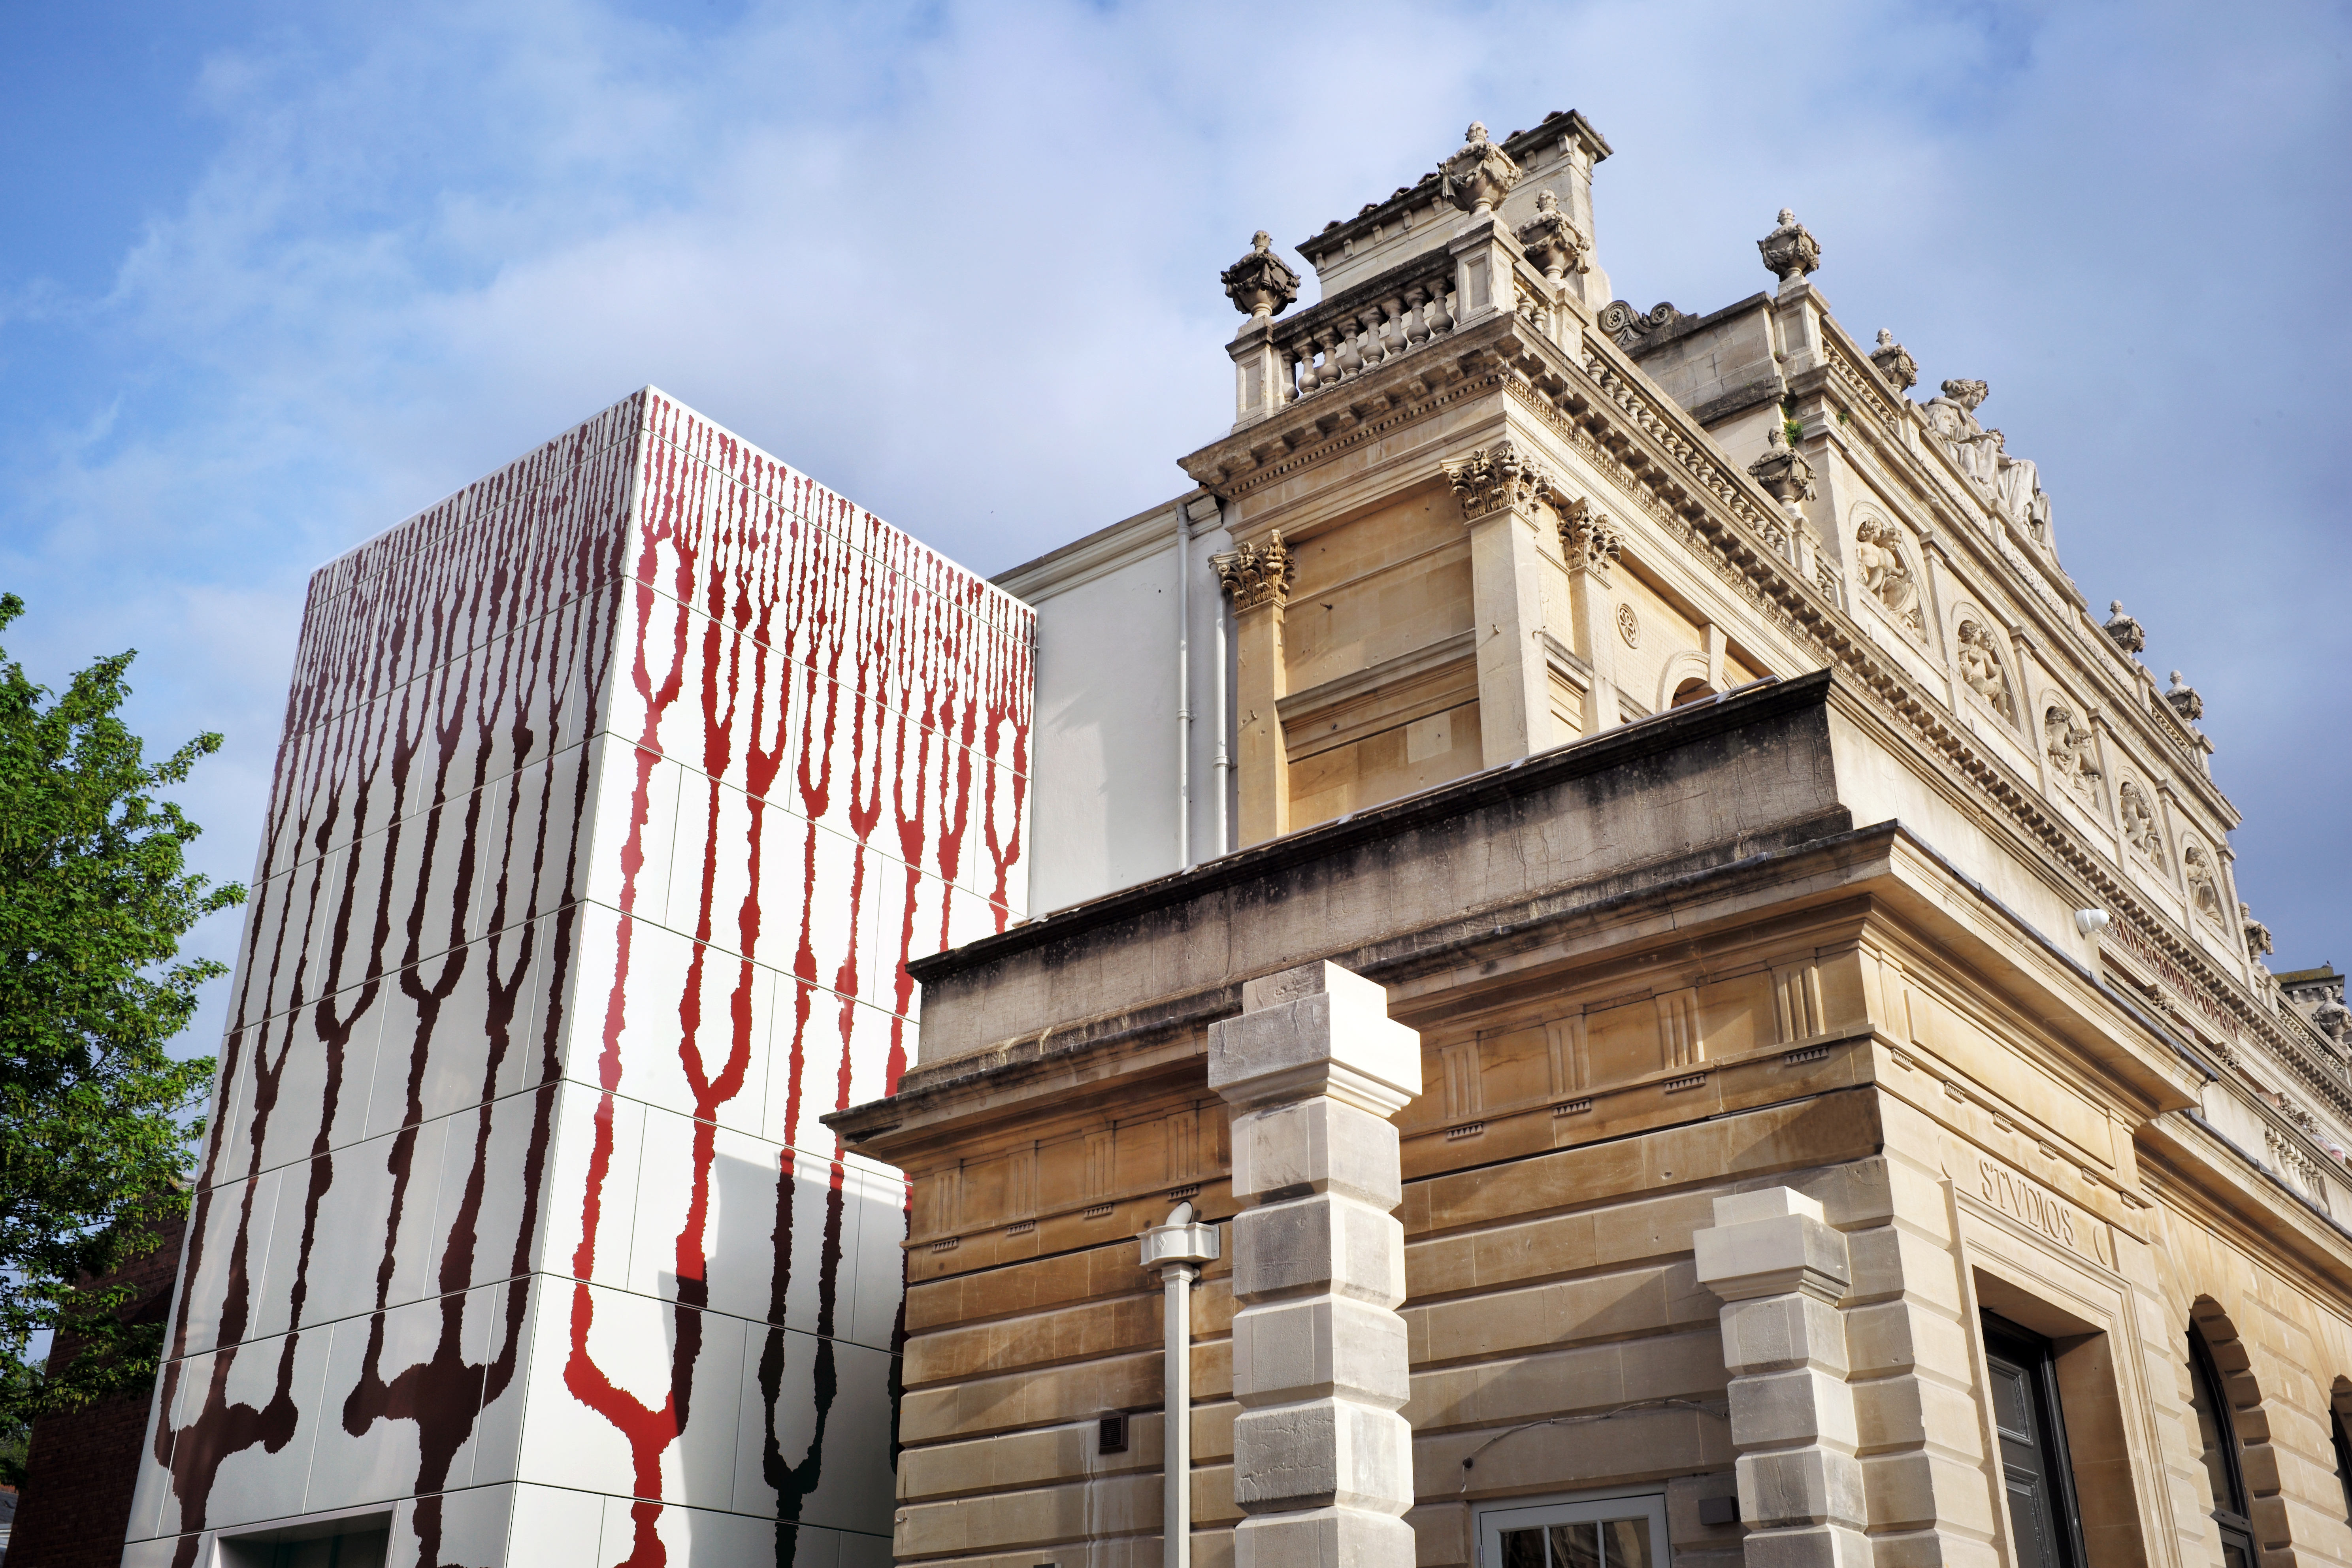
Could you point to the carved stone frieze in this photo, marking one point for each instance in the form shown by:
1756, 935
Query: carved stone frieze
1885, 573
2070, 746
1261, 283
2127, 633
1588, 539
1479, 174
2183, 700
1553, 241
1255, 575
1893, 363
1627, 327
1495, 479
2141, 829
1981, 667
1790, 251
2258, 935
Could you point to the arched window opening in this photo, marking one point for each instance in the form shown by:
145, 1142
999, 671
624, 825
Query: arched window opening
2217, 1431
2341, 1443
1690, 692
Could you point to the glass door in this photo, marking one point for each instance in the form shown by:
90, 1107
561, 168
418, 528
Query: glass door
1627, 1532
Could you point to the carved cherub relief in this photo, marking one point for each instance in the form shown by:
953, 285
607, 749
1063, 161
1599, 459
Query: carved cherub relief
1879, 562
2069, 745
1981, 667
2204, 881
2141, 830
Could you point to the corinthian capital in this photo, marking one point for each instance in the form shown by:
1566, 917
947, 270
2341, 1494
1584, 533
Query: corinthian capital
1495, 479
1255, 575
1587, 538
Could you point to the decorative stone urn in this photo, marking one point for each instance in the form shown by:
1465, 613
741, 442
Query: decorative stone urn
2183, 700
2126, 631
1479, 176
1784, 472
1261, 283
1791, 250
1896, 366
1552, 240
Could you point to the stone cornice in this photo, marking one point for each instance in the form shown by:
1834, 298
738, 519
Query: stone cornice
1920, 464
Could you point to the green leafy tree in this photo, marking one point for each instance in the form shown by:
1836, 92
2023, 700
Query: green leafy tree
96, 1120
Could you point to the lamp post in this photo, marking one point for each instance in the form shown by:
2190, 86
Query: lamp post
1178, 1248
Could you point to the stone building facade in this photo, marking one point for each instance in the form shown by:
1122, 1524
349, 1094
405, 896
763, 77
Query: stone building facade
1845, 1118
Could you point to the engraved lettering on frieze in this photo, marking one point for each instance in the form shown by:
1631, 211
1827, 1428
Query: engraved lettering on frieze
2183, 991
2037, 1209
1255, 575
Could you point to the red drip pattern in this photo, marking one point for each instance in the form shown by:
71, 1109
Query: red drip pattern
647, 686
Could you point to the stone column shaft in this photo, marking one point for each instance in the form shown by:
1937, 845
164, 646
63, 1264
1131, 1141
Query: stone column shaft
1322, 1461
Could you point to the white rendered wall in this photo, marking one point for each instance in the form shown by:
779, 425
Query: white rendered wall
614, 794
1107, 729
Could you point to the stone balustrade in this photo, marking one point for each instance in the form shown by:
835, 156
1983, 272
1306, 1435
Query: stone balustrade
1368, 326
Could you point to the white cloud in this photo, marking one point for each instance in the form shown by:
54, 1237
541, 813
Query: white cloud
959, 260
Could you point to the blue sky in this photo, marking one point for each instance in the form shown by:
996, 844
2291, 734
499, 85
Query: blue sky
273, 277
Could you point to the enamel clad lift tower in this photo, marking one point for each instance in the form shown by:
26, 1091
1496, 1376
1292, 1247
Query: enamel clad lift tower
615, 793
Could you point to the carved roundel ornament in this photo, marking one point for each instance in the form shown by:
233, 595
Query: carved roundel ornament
1629, 626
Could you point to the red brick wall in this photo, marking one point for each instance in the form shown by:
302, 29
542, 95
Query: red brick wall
82, 1467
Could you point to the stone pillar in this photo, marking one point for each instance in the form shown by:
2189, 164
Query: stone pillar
1256, 578
1322, 1461
1589, 542
1781, 1271
1261, 378
1500, 491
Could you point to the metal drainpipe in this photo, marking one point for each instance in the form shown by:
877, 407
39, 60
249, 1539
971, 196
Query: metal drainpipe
1184, 689
1178, 1250
1224, 765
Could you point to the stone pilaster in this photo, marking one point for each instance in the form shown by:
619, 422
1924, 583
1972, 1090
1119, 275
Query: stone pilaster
1256, 580
1781, 1270
1499, 491
1313, 1069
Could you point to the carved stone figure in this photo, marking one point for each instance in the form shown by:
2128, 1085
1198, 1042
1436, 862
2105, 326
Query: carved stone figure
2183, 700
1980, 666
1553, 241
2128, 633
2141, 829
2258, 935
1952, 419
1790, 251
1878, 562
1495, 479
1783, 471
1255, 575
1629, 326
2204, 883
2017, 490
2335, 1020
1479, 174
1587, 538
1893, 363
2069, 745
1261, 283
